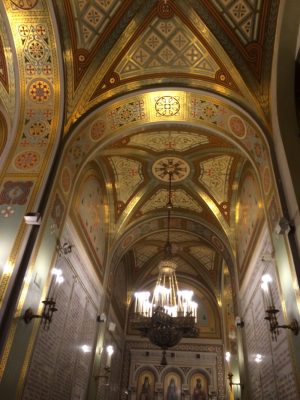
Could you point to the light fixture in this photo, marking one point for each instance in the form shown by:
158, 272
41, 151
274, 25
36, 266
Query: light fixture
33, 218
63, 249
107, 369
101, 317
110, 352
169, 314
272, 311
227, 356
49, 304
85, 348
239, 322
231, 383
258, 358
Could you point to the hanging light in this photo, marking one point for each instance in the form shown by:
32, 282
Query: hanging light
169, 314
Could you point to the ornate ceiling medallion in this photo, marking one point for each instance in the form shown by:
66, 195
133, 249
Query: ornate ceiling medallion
177, 166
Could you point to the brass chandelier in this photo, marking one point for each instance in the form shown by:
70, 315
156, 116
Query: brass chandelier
169, 314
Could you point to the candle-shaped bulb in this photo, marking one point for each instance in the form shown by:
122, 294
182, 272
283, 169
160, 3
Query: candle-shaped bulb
110, 351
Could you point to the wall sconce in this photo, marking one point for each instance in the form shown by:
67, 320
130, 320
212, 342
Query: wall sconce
272, 311
33, 218
227, 356
49, 303
63, 249
107, 370
101, 317
110, 352
231, 383
258, 358
239, 322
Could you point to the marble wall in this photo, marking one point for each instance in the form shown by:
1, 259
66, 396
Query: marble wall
62, 356
273, 377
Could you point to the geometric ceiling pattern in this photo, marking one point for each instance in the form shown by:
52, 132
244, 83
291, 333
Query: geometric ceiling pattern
167, 44
166, 86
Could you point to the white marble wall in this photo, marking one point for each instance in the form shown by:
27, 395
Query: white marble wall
59, 368
274, 377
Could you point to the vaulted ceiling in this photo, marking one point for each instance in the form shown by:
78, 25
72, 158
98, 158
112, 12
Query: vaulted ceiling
192, 78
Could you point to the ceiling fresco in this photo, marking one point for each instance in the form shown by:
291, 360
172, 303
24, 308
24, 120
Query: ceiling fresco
136, 88
112, 47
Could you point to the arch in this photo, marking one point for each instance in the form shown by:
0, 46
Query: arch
4, 133
144, 368
172, 369
198, 369
105, 125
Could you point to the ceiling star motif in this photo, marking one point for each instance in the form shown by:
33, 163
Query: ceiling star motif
214, 175
179, 168
180, 199
168, 140
127, 176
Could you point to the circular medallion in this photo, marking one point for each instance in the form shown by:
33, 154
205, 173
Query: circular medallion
97, 130
35, 50
39, 91
161, 168
237, 126
167, 106
38, 129
25, 4
27, 160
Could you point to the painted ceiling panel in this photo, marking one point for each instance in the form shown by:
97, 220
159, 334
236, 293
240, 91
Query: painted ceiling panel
143, 254
182, 266
167, 45
242, 16
176, 237
246, 23
168, 140
173, 47
92, 17
128, 176
180, 199
214, 176
205, 255
91, 215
